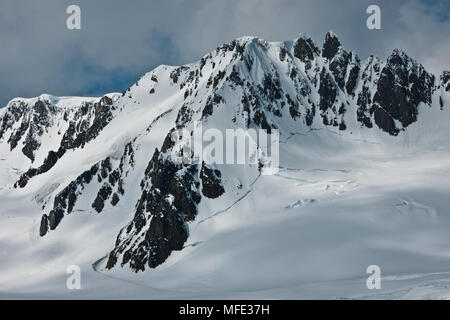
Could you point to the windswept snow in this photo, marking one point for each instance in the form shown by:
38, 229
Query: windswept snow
309, 232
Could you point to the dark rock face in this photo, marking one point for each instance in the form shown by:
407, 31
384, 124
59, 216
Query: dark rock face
77, 135
34, 121
352, 79
17, 135
364, 101
445, 80
261, 121
31, 144
111, 180
369, 73
211, 182
209, 107
15, 112
331, 46
64, 201
29, 148
41, 119
305, 49
44, 226
184, 116
328, 93
164, 208
115, 199
293, 108
49, 162
103, 194
80, 132
271, 88
338, 67
175, 74
384, 120
402, 85
282, 54
235, 78
168, 142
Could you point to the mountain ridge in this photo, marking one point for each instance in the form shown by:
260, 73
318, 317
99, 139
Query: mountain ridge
293, 86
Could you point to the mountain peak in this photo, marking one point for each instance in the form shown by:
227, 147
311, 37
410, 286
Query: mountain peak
398, 55
247, 83
331, 45
304, 48
303, 35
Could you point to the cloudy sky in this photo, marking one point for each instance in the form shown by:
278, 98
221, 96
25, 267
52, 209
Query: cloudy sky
120, 40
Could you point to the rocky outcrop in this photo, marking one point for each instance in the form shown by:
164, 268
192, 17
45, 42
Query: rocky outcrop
211, 182
169, 199
49, 162
328, 92
305, 49
331, 46
65, 200
108, 179
27, 123
445, 80
86, 125
402, 85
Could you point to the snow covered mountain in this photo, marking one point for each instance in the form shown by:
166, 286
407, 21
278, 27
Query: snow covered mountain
102, 166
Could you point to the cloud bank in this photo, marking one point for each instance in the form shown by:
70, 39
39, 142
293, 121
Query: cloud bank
121, 40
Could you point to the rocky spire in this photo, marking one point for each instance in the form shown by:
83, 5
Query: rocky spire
331, 46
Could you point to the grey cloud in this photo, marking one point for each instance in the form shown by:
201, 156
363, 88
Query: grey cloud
120, 40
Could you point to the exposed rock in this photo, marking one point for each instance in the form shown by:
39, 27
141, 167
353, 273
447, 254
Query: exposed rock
293, 108
331, 46
115, 199
79, 132
338, 67
184, 116
328, 94
305, 49
364, 101
352, 80
445, 80
272, 88
103, 195
49, 162
260, 119
282, 54
44, 226
209, 107
211, 182
403, 84
166, 204
384, 120
65, 201
235, 78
